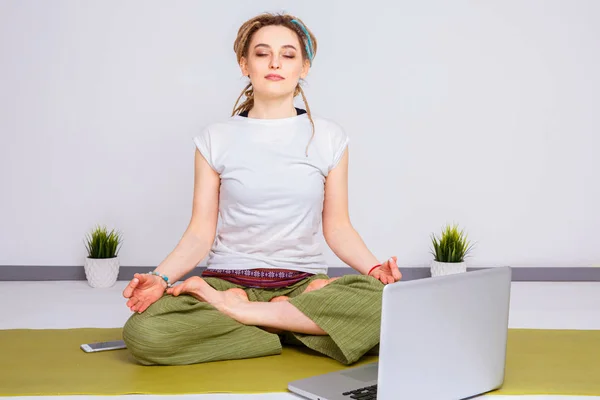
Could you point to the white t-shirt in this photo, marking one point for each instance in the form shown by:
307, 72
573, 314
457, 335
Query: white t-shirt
271, 195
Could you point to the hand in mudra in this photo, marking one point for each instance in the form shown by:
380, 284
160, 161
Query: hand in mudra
388, 272
143, 290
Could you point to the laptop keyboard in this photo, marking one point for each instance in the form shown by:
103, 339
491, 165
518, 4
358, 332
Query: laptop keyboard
366, 393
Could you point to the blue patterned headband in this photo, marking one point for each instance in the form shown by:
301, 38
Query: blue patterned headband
309, 46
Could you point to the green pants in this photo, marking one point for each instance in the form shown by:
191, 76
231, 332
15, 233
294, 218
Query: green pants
182, 330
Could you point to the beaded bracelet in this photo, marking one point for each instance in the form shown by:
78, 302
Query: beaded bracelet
165, 278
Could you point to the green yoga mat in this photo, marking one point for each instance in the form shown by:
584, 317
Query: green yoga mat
50, 362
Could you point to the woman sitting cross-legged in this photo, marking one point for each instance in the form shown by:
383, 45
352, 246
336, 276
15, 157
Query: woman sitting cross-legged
275, 174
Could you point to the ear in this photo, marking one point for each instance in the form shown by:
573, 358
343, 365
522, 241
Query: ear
243, 66
305, 69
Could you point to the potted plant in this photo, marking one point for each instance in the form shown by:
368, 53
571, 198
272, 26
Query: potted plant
449, 251
102, 263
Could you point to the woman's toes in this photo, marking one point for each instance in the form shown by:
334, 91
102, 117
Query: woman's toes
279, 298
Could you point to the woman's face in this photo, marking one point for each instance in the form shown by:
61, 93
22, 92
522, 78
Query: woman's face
274, 62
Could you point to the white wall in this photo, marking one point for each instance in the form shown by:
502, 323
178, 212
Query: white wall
484, 113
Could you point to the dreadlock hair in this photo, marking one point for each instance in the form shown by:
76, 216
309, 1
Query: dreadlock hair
242, 42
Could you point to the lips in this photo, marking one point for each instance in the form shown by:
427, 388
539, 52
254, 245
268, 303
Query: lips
274, 77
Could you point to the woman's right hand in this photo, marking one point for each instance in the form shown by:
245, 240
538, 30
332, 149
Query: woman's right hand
143, 290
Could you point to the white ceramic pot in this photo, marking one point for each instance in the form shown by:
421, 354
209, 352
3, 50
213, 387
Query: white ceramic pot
442, 268
101, 272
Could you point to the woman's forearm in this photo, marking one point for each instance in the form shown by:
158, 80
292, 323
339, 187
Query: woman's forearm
190, 250
347, 244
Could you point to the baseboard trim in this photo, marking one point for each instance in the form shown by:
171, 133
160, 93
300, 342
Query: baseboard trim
75, 273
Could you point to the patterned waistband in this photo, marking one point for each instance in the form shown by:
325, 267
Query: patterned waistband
258, 277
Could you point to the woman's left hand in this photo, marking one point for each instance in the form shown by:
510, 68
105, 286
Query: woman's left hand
388, 272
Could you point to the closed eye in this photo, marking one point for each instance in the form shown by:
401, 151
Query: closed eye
264, 55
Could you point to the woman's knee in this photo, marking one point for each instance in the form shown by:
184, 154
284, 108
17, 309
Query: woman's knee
360, 281
144, 340
154, 335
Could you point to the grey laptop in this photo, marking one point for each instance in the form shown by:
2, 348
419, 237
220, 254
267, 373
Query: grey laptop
441, 338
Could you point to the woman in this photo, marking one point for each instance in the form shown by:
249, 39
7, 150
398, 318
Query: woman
275, 174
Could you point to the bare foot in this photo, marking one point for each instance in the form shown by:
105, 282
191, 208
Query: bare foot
319, 284
224, 301
314, 285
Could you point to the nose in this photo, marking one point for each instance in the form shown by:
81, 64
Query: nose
274, 62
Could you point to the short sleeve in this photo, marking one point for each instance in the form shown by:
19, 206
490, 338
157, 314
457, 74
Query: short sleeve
203, 144
339, 143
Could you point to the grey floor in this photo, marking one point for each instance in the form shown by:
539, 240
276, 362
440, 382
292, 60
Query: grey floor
72, 304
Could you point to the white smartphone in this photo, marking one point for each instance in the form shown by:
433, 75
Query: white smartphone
103, 346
